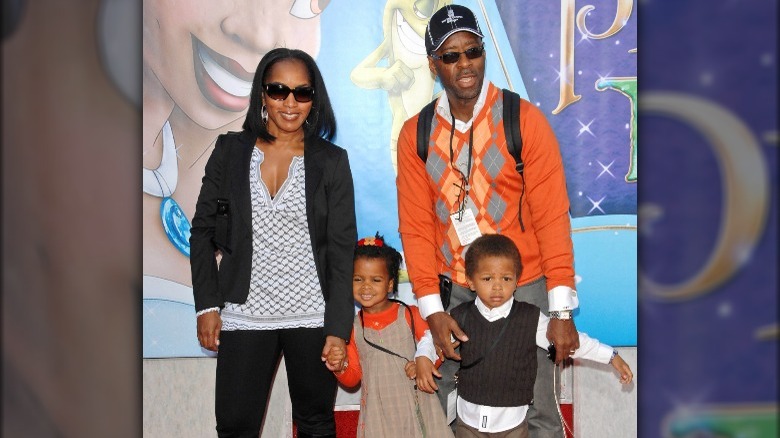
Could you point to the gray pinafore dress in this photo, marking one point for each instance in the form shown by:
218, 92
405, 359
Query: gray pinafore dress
390, 406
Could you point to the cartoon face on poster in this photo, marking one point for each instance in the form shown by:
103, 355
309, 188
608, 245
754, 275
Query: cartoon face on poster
198, 63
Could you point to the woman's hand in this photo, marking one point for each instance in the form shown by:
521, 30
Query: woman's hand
335, 360
209, 326
330, 343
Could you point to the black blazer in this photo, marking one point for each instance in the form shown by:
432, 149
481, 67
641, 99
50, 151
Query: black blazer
223, 221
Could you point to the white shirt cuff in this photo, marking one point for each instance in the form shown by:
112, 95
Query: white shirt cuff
429, 304
562, 298
426, 348
592, 349
210, 309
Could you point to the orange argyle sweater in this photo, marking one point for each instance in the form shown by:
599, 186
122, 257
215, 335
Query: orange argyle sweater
427, 195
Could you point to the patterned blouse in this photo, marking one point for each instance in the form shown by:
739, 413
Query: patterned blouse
284, 290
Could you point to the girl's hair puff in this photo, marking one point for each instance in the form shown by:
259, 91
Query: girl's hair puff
376, 248
491, 245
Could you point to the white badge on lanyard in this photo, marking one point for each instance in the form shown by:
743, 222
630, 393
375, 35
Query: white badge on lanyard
466, 226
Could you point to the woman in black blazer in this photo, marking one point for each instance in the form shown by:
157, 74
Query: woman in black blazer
271, 250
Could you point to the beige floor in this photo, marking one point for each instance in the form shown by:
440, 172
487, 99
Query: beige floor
178, 400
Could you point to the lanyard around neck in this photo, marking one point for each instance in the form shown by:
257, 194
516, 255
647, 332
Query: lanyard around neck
467, 176
465, 184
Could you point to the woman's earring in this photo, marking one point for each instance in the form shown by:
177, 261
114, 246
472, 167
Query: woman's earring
314, 120
264, 115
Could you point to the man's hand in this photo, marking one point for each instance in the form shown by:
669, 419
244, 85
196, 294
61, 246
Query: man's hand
563, 334
442, 325
209, 326
331, 342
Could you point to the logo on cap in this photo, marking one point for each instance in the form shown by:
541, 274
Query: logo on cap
451, 17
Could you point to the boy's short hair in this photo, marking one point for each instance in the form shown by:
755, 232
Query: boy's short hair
492, 245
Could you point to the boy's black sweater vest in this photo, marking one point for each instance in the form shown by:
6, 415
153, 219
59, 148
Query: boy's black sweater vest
506, 376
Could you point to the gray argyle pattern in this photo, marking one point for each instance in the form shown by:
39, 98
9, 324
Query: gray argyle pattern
486, 170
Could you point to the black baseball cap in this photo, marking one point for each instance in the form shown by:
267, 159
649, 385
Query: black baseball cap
445, 22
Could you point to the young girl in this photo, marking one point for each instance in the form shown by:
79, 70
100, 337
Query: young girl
381, 352
498, 362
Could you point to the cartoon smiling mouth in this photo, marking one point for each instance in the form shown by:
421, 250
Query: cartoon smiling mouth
407, 36
221, 80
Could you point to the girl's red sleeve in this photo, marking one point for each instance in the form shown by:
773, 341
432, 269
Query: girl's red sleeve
420, 325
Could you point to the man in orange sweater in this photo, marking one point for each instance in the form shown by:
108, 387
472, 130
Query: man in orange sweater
467, 187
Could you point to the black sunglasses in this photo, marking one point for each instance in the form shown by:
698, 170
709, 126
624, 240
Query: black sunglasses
453, 57
276, 91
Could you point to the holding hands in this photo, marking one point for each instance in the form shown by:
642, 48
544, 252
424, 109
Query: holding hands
334, 354
425, 375
411, 370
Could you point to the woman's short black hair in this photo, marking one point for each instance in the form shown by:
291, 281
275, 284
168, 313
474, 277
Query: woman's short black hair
376, 248
491, 245
321, 121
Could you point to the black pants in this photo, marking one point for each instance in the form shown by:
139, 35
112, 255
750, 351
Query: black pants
246, 365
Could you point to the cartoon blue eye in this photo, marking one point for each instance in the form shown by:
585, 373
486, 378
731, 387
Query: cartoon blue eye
305, 9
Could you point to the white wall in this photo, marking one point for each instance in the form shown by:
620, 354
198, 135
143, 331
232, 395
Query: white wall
604, 407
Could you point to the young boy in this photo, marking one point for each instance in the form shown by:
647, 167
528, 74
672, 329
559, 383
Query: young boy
498, 366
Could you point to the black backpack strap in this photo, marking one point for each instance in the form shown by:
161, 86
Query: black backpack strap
514, 141
424, 129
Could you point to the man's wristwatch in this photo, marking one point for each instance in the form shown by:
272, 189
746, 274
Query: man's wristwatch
560, 314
